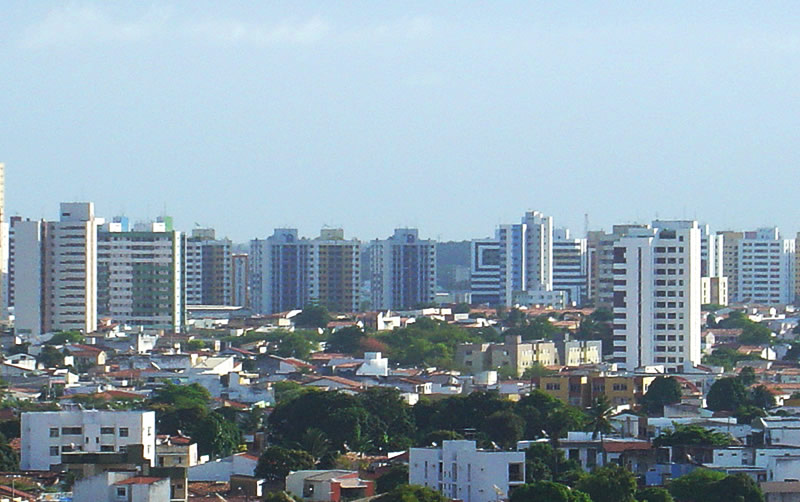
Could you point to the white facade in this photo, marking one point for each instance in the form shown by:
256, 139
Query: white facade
403, 270
657, 294
47, 434
140, 276
240, 285
765, 267
56, 272
570, 266
121, 487
208, 269
459, 470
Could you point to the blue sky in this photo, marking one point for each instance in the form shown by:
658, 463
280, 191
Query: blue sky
449, 116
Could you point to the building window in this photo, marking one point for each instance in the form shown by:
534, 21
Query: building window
122, 492
54, 451
123, 432
72, 431
515, 472
53, 432
106, 430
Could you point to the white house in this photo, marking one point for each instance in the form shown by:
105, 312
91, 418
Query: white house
459, 470
48, 434
122, 487
222, 469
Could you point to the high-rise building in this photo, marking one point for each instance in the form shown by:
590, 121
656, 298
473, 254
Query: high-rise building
600, 249
240, 285
730, 261
524, 263
765, 267
56, 272
140, 274
657, 296
570, 266
9, 289
208, 269
288, 272
485, 271
403, 270
714, 283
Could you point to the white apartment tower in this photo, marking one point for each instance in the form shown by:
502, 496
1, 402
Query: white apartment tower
538, 251
208, 269
140, 274
570, 266
56, 272
402, 271
712, 259
657, 296
765, 267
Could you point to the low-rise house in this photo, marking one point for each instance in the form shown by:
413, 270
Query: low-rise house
634, 454
336, 383
122, 487
48, 434
329, 486
459, 470
222, 469
781, 491
175, 451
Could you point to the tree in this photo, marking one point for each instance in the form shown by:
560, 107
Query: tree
598, 417
747, 376
692, 435
695, 486
746, 414
737, 487
727, 357
316, 443
50, 357
65, 337
312, 316
214, 435
505, 428
396, 475
346, 340
610, 483
278, 497
726, 394
438, 436
276, 462
654, 494
9, 459
761, 397
195, 344
536, 370
391, 424
546, 491
663, 390
561, 420
755, 334
545, 463
411, 493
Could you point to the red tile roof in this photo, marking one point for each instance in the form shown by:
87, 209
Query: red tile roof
139, 480
621, 446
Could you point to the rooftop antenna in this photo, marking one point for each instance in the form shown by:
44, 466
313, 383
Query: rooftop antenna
586, 224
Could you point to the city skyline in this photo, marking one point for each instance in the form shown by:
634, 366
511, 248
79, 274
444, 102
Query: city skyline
385, 116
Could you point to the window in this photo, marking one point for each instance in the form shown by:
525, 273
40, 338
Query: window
54, 451
107, 447
53, 432
106, 430
123, 432
515, 472
72, 431
122, 492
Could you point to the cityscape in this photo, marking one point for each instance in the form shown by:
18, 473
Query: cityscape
399, 251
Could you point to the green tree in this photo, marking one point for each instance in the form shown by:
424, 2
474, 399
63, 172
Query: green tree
438, 436
545, 463
215, 436
316, 443
663, 390
391, 420
726, 394
195, 344
654, 494
546, 491
761, 397
755, 334
610, 483
697, 486
275, 463
692, 435
65, 337
312, 316
746, 414
396, 475
505, 428
727, 357
9, 459
536, 370
278, 497
747, 376
598, 416
411, 493
50, 357
737, 487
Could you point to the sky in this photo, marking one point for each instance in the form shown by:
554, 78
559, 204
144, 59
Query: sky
452, 117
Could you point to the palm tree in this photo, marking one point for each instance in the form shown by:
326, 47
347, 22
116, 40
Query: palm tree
316, 443
599, 413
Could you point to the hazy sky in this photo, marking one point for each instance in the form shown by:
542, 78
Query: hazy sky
449, 116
